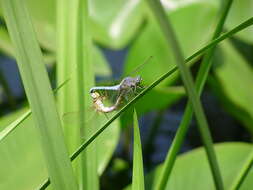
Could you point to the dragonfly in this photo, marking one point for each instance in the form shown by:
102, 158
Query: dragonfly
123, 91
127, 87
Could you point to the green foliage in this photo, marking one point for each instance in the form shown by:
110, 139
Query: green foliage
39, 93
65, 38
138, 176
235, 96
240, 11
192, 170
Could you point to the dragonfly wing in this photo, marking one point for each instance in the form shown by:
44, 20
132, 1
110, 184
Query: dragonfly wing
75, 118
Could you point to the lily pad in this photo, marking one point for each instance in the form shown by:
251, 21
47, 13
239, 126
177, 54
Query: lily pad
239, 12
192, 171
234, 81
192, 34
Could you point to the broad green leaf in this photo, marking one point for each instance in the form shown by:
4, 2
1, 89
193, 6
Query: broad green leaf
164, 96
20, 164
106, 144
101, 66
21, 158
100, 63
234, 83
5, 131
138, 174
240, 11
115, 22
44, 19
152, 42
114, 28
192, 171
7, 119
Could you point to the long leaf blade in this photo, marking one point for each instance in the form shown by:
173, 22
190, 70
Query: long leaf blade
74, 53
160, 15
39, 93
185, 122
138, 176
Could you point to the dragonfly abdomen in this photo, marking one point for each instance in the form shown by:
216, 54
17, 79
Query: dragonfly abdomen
97, 88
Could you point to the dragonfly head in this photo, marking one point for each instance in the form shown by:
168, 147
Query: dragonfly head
138, 79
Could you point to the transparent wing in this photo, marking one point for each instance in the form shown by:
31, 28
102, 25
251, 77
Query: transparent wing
76, 118
139, 67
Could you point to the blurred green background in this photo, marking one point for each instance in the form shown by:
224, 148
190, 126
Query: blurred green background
124, 34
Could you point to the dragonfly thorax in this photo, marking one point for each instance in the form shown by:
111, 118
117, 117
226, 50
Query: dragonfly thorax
130, 83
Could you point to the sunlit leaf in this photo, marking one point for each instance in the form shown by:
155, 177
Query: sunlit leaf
138, 173
235, 79
152, 43
240, 11
116, 27
192, 170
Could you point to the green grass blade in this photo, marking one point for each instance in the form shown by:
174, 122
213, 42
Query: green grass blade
39, 93
138, 176
11, 127
238, 28
243, 173
74, 55
200, 81
160, 15
224, 36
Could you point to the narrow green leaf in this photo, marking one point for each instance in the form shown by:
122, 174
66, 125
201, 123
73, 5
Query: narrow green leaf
74, 56
7, 130
39, 93
240, 27
240, 11
200, 81
242, 174
138, 176
186, 76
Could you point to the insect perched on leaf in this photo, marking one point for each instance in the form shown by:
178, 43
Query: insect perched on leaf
107, 99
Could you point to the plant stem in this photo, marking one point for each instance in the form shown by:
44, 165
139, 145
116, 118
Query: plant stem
200, 81
170, 37
243, 173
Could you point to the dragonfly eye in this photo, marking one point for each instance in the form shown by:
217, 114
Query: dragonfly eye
91, 91
139, 79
